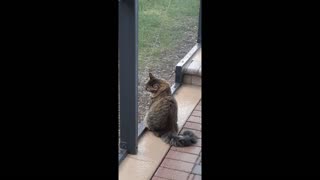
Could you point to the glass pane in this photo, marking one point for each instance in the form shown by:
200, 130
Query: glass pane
168, 29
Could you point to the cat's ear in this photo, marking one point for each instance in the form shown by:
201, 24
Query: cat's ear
151, 76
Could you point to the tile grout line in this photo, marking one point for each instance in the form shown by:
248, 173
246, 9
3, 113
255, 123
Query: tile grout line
196, 116
177, 169
139, 159
164, 157
193, 121
181, 152
189, 176
181, 160
174, 170
159, 177
193, 129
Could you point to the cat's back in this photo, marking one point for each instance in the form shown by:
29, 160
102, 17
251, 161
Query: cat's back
163, 103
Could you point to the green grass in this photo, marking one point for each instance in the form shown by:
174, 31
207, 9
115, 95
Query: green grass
162, 24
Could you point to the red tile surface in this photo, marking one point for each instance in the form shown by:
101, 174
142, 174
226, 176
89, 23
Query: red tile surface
157, 178
171, 174
199, 143
177, 165
191, 158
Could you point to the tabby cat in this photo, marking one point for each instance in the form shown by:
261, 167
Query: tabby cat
162, 115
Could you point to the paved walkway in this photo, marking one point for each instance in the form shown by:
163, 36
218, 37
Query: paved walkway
183, 163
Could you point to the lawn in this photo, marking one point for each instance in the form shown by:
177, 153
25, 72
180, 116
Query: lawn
162, 26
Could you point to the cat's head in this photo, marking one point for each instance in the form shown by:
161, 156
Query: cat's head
154, 85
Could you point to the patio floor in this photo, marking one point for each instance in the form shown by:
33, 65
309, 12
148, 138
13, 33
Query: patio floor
184, 163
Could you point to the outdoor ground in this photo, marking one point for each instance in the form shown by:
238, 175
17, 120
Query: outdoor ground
168, 29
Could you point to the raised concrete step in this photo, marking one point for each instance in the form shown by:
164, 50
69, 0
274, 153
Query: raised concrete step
192, 74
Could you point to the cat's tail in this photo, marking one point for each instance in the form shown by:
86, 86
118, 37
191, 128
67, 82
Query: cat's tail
187, 138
